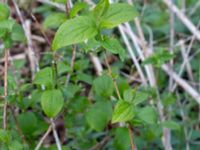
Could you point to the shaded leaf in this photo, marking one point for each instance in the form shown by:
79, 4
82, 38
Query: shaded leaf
27, 122
140, 96
103, 86
44, 77
5, 136
54, 20
17, 33
148, 115
113, 46
122, 139
99, 115
171, 125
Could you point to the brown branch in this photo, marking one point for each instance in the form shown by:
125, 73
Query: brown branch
41, 30
17, 126
99, 145
110, 73
72, 63
5, 89
131, 134
119, 96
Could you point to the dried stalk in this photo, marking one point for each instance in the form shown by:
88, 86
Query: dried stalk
151, 77
55, 134
43, 138
183, 18
135, 61
30, 52
181, 82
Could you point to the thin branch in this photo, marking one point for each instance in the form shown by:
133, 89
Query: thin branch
67, 10
114, 81
171, 42
130, 51
181, 82
99, 145
15, 57
184, 118
57, 5
41, 29
183, 18
195, 8
97, 64
151, 76
27, 31
72, 63
148, 68
56, 135
5, 89
17, 126
119, 97
43, 138
131, 134
185, 59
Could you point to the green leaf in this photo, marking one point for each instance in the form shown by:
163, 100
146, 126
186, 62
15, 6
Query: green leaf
60, 1
103, 86
117, 14
99, 115
5, 12
77, 8
44, 77
160, 57
168, 99
128, 95
16, 145
5, 136
52, 102
54, 20
85, 78
17, 33
101, 8
113, 46
123, 112
63, 67
171, 125
147, 114
91, 45
140, 96
7, 42
7, 25
122, 139
134, 96
71, 90
2, 33
27, 122
74, 31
